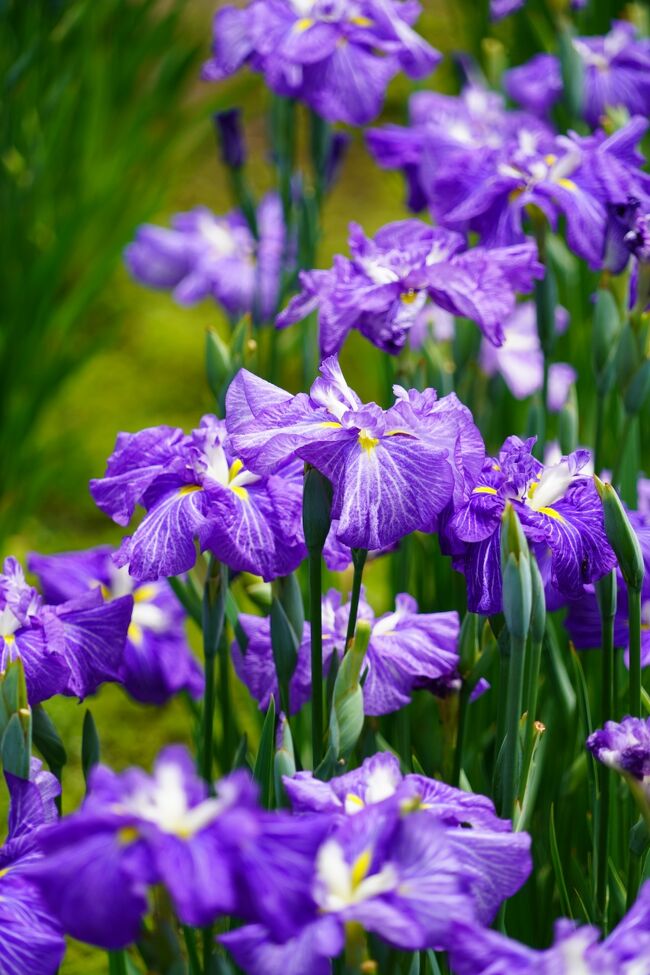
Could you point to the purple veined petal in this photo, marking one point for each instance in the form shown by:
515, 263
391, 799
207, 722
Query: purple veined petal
393, 146
310, 950
476, 950
31, 940
248, 396
536, 85
232, 44
157, 666
497, 865
483, 576
386, 491
95, 635
163, 544
406, 647
348, 86
68, 574
314, 284
158, 257
41, 650
586, 220
86, 883
137, 460
309, 41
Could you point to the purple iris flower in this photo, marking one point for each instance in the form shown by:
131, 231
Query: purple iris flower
626, 951
503, 8
392, 470
447, 134
616, 74
395, 875
134, 831
31, 940
583, 621
575, 177
536, 85
391, 277
406, 649
157, 661
560, 512
625, 747
194, 487
205, 256
70, 648
338, 56
520, 359
498, 858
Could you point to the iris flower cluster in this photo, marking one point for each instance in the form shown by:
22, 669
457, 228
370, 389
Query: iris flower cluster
337, 56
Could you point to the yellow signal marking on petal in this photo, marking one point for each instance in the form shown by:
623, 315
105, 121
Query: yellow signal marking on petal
360, 868
366, 441
552, 513
496, 467
4, 872
189, 489
408, 297
361, 21
303, 24
143, 594
134, 633
484, 489
352, 800
105, 591
514, 195
550, 159
568, 184
240, 491
235, 468
399, 433
127, 835
330, 424
9, 638
533, 487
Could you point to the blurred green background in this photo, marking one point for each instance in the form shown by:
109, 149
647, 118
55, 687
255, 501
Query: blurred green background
105, 124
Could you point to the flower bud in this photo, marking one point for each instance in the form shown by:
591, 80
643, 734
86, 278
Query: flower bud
230, 138
515, 568
538, 605
621, 535
316, 506
346, 717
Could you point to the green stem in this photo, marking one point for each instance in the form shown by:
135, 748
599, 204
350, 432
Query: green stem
533, 664
316, 626
634, 618
117, 963
207, 735
463, 704
224, 706
633, 879
598, 433
604, 774
192, 953
513, 716
359, 556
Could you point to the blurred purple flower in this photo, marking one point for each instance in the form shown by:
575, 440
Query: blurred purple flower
536, 85
70, 648
406, 647
625, 747
134, 831
338, 56
479, 951
391, 277
157, 661
194, 487
204, 256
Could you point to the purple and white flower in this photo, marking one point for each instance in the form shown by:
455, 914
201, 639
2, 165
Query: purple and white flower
70, 648
157, 661
338, 56
407, 649
205, 256
560, 513
194, 488
383, 288
392, 471
625, 747
134, 831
